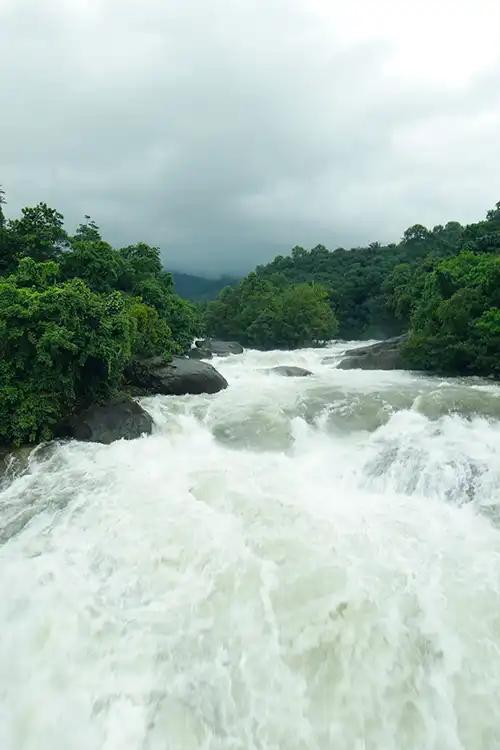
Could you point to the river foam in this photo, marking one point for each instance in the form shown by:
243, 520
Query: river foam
292, 563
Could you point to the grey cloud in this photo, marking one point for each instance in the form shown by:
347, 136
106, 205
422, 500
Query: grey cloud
226, 132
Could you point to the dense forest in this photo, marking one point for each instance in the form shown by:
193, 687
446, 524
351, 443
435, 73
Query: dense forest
74, 313
443, 285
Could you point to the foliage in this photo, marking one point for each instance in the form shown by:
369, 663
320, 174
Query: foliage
359, 279
269, 313
95, 262
2, 201
74, 312
446, 297
150, 335
8, 247
455, 324
60, 345
39, 233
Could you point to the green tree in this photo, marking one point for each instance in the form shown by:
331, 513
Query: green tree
8, 247
94, 261
61, 345
39, 233
151, 334
142, 260
2, 203
89, 231
455, 321
269, 313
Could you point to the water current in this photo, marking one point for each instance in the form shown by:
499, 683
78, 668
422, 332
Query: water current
290, 564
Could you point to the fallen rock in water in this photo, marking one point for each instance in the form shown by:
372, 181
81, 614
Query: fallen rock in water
288, 371
220, 348
13, 462
176, 378
121, 418
385, 355
198, 353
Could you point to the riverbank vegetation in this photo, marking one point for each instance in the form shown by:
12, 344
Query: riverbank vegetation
74, 313
441, 284
267, 312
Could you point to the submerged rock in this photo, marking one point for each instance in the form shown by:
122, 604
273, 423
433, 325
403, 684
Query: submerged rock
176, 378
385, 355
104, 423
220, 348
289, 371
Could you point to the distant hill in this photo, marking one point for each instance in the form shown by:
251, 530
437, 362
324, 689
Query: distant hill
199, 288
369, 287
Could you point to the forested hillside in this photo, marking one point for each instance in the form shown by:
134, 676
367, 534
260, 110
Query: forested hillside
442, 283
357, 278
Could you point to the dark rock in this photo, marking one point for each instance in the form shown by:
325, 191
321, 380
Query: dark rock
105, 423
289, 371
175, 378
13, 463
220, 348
385, 355
199, 353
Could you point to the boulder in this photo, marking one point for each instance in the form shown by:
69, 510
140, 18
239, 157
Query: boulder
13, 463
220, 348
288, 371
175, 378
104, 423
385, 355
198, 353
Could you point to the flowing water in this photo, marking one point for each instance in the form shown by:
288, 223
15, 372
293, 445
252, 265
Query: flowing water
292, 564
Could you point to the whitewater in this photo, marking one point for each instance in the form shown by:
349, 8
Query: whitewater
290, 564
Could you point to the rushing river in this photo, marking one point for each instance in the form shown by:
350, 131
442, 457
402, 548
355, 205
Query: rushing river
291, 564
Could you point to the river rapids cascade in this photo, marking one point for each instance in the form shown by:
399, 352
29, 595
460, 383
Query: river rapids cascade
290, 564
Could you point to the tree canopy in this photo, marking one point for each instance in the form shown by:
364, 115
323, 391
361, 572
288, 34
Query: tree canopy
74, 312
455, 319
269, 313
438, 283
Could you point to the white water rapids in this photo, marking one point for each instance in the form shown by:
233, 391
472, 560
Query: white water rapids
291, 564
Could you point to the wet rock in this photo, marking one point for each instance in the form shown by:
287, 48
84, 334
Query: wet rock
385, 355
176, 378
13, 462
288, 371
121, 418
198, 352
220, 348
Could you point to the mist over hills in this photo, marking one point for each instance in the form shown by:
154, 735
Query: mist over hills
200, 288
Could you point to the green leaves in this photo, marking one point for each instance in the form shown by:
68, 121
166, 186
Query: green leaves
69, 328
39, 233
455, 326
269, 313
59, 346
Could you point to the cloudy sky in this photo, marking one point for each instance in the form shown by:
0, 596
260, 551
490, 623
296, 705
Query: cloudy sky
226, 131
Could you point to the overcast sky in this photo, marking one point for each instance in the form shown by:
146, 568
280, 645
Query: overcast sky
227, 131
